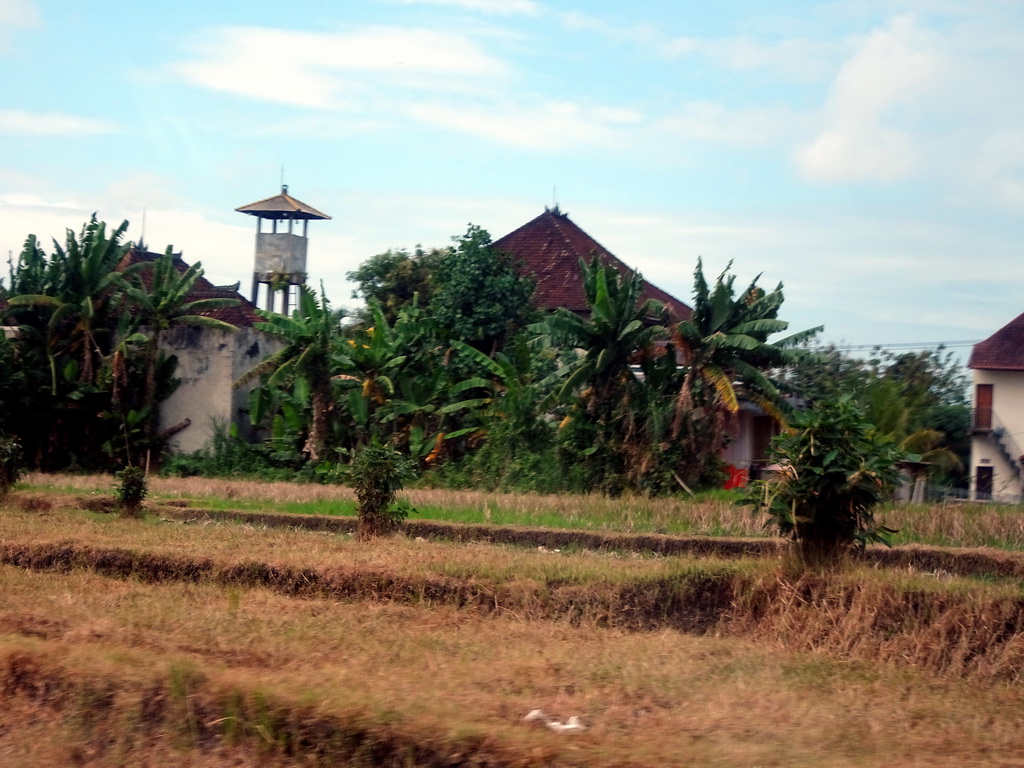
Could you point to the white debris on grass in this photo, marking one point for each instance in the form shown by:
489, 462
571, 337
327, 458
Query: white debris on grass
572, 724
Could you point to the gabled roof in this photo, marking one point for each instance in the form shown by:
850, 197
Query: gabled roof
282, 206
243, 315
1003, 350
550, 248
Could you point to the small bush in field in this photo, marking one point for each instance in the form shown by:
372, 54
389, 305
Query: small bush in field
835, 471
10, 463
378, 473
131, 490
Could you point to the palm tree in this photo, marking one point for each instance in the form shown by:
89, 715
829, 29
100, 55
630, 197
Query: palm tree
63, 304
725, 343
71, 288
619, 333
898, 414
165, 304
310, 336
399, 380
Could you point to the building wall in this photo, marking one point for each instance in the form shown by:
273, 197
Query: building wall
1007, 425
750, 431
209, 363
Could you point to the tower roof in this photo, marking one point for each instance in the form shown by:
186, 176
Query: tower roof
550, 248
282, 206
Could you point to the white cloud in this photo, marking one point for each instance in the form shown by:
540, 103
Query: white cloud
497, 7
999, 169
551, 125
872, 107
336, 70
16, 15
713, 123
16, 122
858, 151
796, 59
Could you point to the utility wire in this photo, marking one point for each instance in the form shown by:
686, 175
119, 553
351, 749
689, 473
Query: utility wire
901, 345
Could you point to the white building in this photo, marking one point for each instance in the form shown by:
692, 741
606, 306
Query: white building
997, 431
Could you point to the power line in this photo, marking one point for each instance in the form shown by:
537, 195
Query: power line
902, 345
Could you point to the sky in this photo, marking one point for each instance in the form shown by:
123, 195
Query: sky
868, 154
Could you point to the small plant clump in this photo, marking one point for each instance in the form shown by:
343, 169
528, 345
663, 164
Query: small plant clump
10, 463
131, 490
378, 472
834, 470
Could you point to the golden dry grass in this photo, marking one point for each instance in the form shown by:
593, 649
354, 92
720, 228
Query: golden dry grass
959, 524
859, 668
443, 677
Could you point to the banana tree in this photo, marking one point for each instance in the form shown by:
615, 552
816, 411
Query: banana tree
311, 337
602, 380
158, 296
398, 382
66, 296
725, 342
619, 331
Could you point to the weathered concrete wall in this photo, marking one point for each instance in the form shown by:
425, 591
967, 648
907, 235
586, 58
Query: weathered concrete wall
281, 253
209, 362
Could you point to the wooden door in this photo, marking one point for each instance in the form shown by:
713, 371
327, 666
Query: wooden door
983, 406
983, 483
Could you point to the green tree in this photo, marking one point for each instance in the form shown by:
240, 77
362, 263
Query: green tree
479, 295
399, 385
835, 470
725, 343
599, 380
395, 278
918, 398
70, 295
514, 437
64, 307
310, 337
158, 294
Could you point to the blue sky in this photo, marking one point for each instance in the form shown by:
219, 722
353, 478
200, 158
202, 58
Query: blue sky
869, 154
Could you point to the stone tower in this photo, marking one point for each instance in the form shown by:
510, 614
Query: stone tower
280, 254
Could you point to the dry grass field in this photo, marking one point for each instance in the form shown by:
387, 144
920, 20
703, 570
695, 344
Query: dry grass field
157, 642
947, 525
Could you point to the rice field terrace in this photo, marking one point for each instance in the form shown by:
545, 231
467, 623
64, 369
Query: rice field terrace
241, 624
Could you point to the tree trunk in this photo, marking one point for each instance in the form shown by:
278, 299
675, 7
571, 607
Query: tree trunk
320, 426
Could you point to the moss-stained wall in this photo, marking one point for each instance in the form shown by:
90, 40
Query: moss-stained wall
209, 362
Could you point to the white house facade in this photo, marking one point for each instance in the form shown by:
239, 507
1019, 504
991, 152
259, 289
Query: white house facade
997, 429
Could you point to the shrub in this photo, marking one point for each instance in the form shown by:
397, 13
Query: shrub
378, 473
229, 455
834, 471
10, 463
131, 490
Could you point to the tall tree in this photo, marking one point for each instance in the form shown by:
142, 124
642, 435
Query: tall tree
726, 342
69, 292
394, 279
310, 336
599, 377
63, 306
159, 297
479, 295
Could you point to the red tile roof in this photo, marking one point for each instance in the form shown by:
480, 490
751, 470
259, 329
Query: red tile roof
241, 316
1003, 350
550, 248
